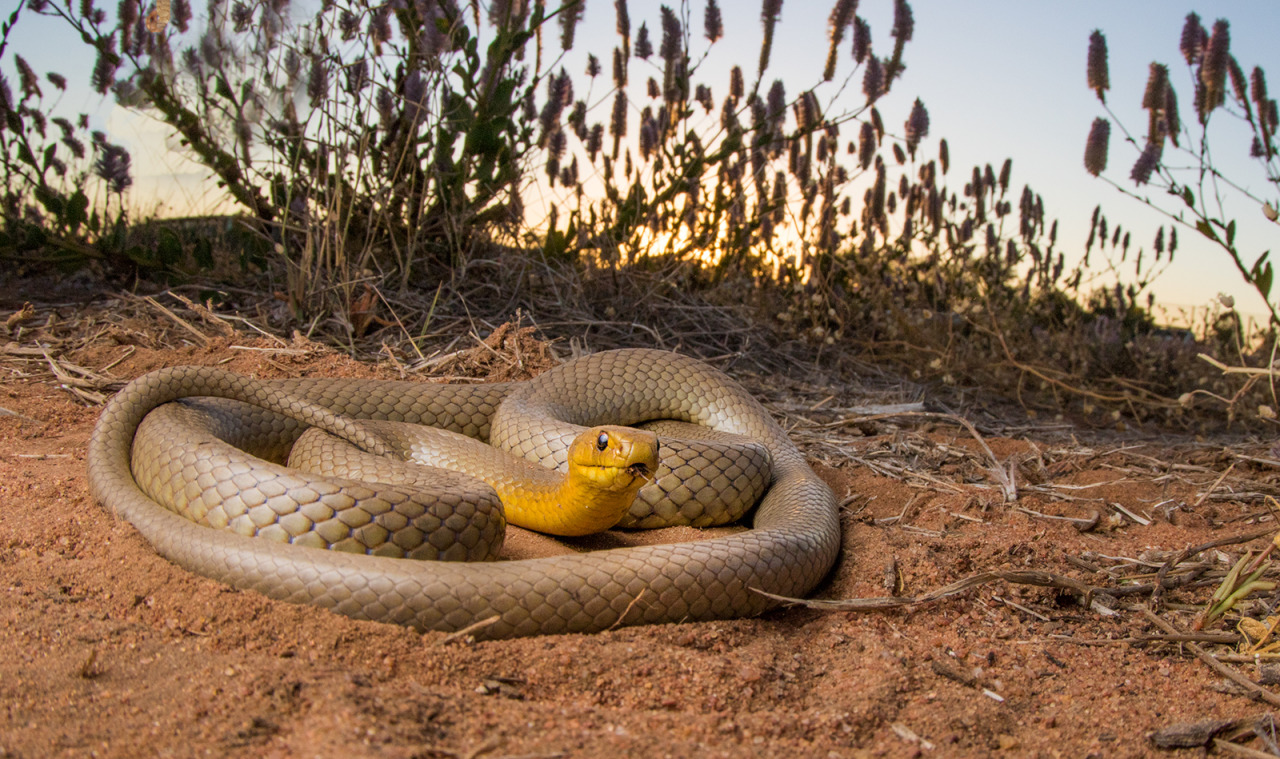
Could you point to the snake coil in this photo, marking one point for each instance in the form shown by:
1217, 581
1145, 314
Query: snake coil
793, 543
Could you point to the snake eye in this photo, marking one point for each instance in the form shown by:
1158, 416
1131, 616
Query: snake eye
602, 442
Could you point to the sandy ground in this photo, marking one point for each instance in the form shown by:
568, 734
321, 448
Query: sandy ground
108, 650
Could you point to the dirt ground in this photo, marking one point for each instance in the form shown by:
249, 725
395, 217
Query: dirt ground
108, 650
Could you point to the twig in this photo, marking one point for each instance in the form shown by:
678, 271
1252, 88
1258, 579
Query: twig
464, 632
1252, 688
1187, 553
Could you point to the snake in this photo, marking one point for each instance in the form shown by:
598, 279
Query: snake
793, 541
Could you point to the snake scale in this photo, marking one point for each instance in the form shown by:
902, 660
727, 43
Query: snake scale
793, 542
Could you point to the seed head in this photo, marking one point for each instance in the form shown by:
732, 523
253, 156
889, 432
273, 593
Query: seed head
903, 21
1194, 39
113, 167
618, 121
380, 25
644, 48
1213, 70
917, 126
1157, 82
866, 145
777, 106
703, 95
712, 22
735, 83
1146, 163
180, 10
1095, 149
1258, 81
317, 80
1171, 121
623, 26
873, 79
357, 76
104, 71
1099, 79
841, 15
861, 39
619, 68
570, 14
1239, 85
595, 139
769, 17
671, 37
944, 155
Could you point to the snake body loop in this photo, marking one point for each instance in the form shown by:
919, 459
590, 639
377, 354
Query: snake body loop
793, 543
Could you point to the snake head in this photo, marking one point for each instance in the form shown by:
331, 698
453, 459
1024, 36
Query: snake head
614, 458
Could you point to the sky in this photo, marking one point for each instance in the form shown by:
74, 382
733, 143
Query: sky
1001, 79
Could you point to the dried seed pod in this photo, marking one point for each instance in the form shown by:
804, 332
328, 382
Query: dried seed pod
1098, 77
1095, 149
1005, 170
944, 155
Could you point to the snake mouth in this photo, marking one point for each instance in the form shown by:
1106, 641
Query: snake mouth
639, 469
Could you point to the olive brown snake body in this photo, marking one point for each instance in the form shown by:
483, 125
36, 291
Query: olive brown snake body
793, 543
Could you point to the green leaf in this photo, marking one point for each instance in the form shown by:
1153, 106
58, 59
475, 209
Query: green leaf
25, 155
51, 200
168, 248
1263, 275
1264, 281
77, 209
1231, 232
483, 139
203, 253
1188, 197
1203, 227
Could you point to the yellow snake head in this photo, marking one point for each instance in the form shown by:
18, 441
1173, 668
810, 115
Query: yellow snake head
607, 467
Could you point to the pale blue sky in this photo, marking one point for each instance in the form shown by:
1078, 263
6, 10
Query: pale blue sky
1000, 79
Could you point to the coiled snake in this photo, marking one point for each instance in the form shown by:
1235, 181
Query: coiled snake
793, 543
